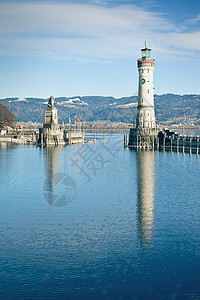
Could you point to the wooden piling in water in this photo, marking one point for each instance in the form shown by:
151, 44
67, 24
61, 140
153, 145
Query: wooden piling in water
41, 140
104, 137
177, 144
125, 140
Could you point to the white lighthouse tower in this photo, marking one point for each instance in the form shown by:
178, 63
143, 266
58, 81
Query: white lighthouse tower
146, 113
143, 135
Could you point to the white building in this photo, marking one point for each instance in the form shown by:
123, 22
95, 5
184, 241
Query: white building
3, 131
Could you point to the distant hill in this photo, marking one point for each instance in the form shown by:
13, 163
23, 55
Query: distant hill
170, 108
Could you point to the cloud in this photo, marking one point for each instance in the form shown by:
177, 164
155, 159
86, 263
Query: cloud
195, 20
186, 41
78, 19
87, 32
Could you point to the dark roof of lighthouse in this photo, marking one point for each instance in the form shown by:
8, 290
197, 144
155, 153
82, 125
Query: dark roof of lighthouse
146, 49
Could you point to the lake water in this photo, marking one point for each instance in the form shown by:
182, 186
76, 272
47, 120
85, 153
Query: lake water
98, 221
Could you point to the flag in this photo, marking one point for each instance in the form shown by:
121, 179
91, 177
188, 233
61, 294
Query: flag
79, 120
184, 118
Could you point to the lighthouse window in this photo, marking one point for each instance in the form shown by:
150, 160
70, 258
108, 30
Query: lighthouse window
147, 91
148, 70
142, 70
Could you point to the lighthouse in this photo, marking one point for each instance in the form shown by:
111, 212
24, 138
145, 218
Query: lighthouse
145, 132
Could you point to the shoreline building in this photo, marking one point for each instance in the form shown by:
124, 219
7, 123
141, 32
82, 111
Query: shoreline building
145, 133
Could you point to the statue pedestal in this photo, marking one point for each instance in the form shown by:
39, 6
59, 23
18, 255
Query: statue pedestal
51, 116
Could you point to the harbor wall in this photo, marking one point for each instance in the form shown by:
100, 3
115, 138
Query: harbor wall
166, 140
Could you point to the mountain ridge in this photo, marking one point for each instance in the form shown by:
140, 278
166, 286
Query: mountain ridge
170, 108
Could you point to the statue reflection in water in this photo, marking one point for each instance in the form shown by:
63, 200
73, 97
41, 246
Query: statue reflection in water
145, 205
51, 158
59, 188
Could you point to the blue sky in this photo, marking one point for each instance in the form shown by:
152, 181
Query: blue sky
77, 48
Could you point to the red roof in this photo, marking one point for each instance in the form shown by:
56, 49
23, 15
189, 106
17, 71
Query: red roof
4, 128
19, 126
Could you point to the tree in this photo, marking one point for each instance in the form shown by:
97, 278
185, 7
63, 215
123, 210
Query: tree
6, 117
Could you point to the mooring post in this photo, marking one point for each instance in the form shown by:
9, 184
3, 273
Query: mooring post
83, 138
164, 143
125, 140
41, 139
104, 137
157, 143
69, 139
182, 143
190, 145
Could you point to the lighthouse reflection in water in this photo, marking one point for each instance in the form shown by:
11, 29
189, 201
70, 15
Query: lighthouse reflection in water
145, 204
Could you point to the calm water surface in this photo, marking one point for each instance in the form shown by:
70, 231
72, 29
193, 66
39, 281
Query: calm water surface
99, 222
